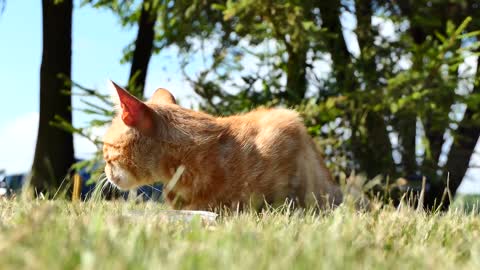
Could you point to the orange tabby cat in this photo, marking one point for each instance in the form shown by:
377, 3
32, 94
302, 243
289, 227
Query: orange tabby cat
228, 161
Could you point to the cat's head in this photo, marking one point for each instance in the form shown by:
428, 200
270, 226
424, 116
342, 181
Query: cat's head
130, 146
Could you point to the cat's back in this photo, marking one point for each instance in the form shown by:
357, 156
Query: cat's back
275, 151
265, 120
277, 132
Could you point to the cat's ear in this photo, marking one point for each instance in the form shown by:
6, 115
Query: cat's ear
134, 112
162, 96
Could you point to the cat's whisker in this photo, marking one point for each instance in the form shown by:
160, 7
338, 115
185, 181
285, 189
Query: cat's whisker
98, 190
104, 180
154, 188
144, 194
105, 184
102, 177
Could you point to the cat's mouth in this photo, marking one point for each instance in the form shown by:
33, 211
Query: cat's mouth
119, 177
115, 180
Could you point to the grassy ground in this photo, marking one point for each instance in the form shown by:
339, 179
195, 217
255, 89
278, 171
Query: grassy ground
468, 202
101, 235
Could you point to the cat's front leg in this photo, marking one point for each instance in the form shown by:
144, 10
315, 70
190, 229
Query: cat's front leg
178, 203
175, 201
196, 206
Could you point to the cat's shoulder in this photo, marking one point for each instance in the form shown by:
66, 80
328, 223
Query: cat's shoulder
275, 115
266, 117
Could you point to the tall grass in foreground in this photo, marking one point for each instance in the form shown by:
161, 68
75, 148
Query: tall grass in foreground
102, 235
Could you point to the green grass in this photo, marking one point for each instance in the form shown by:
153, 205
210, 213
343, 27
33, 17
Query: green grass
101, 235
468, 202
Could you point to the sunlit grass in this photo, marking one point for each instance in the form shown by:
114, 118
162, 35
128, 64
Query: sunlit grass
102, 235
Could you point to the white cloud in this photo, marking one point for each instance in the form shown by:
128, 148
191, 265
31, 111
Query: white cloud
18, 138
471, 181
84, 148
469, 66
386, 28
470, 184
17, 143
349, 23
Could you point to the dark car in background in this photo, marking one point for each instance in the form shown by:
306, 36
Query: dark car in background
12, 184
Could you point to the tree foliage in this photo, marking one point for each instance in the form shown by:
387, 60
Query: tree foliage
384, 85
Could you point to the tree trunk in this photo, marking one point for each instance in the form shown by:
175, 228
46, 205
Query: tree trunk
377, 152
330, 12
143, 48
296, 74
377, 156
465, 140
406, 126
436, 123
54, 150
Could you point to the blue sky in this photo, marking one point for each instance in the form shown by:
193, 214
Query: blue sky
98, 41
